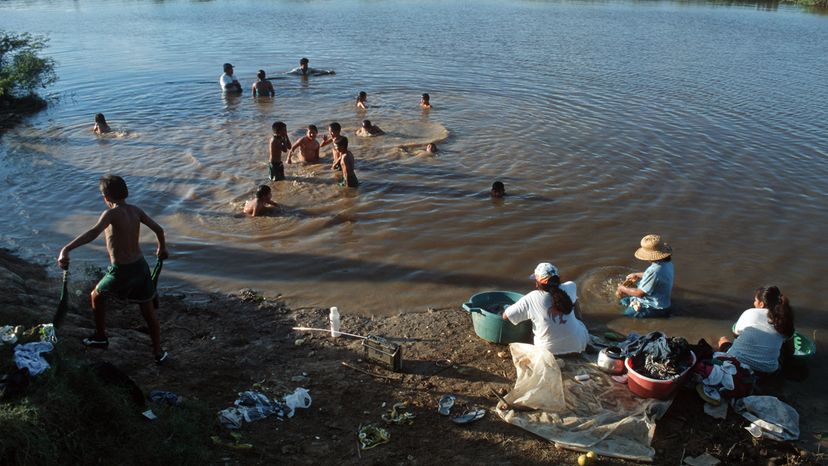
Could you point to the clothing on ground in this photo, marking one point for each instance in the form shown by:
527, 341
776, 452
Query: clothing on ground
559, 334
29, 356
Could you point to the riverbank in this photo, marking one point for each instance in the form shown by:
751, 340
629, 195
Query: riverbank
225, 344
13, 111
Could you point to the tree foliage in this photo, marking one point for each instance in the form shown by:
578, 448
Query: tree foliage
22, 69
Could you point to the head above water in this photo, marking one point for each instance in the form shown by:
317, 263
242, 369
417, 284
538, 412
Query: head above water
100, 119
367, 124
431, 147
313, 130
113, 188
362, 96
303, 62
279, 127
425, 98
335, 128
498, 189
228, 68
261, 75
263, 192
341, 143
653, 248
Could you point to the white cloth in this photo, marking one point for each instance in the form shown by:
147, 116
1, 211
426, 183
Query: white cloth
560, 335
769, 417
28, 356
722, 375
759, 343
225, 80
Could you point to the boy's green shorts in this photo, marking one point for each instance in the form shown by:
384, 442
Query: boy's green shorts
128, 281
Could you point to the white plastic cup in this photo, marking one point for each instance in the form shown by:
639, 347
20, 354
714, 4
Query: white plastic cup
333, 317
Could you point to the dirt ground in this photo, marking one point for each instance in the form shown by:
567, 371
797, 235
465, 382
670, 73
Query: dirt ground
221, 345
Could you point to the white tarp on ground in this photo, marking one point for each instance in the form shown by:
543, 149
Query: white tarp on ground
595, 415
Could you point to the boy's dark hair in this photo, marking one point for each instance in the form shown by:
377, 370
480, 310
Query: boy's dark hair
341, 142
335, 126
313, 128
498, 186
425, 96
261, 74
303, 61
114, 187
366, 123
263, 191
100, 118
362, 94
278, 125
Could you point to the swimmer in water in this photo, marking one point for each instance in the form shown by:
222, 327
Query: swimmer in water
361, 99
263, 87
261, 203
346, 162
228, 81
101, 127
431, 148
498, 190
425, 102
305, 70
278, 143
307, 146
334, 131
368, 129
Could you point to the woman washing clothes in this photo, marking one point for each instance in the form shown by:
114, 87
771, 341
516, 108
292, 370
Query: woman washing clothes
650, 294
761, 331
550, 308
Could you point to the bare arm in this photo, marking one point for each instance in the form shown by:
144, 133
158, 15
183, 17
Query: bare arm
292, 148
635, 276
103, 222
161, 252
627, 291
325, 141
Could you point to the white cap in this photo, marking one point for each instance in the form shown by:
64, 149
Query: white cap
543, 272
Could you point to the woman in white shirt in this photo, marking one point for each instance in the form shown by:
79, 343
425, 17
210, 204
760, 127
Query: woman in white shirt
550, 307
762, 330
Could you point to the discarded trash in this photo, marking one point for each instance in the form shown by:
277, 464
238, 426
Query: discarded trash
582, 377
770, 417
8, 334
162, 397
469, 416
443, 363
396, 415
149, 415
705, 459
230, 418
445, 404
29, 356
234, 445
300, 398
333, 317
299, 342
371, 435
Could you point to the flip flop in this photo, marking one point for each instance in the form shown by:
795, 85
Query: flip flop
469, 416
445, 404
620, 378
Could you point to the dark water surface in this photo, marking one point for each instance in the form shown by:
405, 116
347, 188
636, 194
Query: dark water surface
605, 120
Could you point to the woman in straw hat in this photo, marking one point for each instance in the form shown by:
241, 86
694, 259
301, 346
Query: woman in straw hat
650, 295
550, 307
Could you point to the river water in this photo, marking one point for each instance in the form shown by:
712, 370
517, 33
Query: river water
606, 121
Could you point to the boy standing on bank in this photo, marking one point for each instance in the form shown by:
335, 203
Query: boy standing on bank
129, 276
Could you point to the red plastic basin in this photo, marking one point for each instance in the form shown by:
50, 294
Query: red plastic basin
646, 387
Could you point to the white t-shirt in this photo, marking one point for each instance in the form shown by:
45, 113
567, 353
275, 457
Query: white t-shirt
560, 335
226, 79
759, 343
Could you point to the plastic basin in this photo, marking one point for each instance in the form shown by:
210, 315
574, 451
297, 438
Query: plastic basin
646, 387
486, 311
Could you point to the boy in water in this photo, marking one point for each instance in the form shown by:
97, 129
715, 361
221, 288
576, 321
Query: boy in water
334, 130
346, 162
431, 148
129, 275
498, 189
101, 126
362, 97
263, 87
425, 102
369, 130
262, 203
304, 70
308, 146
278, 143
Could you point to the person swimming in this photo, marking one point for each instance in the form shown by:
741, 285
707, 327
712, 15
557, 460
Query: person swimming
305, 70
369, 129
362, 97
498, 189
101, 126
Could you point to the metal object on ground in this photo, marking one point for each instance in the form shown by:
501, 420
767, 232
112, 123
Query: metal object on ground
381, 351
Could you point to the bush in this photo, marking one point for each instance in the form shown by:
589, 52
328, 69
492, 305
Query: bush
22, 70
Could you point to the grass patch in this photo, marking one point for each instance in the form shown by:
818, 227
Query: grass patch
72, 416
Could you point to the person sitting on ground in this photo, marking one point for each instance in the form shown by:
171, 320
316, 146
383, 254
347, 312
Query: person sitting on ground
101, 126
762, 331
261, 203
650, 297
431, 148
498, 189
263, 87
550, 308
334, 131
228, 81
345, 162
425, 102
279, 143
368, 129
362, 97
129, 275
308, 146
304, 70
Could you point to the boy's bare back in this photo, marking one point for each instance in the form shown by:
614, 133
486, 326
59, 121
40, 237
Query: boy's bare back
123, 233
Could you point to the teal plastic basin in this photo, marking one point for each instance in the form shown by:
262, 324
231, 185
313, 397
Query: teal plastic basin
486, 311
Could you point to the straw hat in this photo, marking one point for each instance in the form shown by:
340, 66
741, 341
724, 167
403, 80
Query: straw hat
653, 249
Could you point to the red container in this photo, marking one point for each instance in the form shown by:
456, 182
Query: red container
646, 387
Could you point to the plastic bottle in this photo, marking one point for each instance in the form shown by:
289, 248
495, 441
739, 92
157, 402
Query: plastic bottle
334, 318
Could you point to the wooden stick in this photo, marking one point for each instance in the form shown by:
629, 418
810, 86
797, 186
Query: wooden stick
372, 374
306, 329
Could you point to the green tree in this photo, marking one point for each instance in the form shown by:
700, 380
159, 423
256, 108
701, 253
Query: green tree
22, 70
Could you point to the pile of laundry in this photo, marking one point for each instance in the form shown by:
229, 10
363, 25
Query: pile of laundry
658, 357
28, 346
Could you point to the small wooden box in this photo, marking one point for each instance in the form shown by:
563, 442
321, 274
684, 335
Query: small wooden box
381, 351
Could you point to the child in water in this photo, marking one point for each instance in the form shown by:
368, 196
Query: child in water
261, 203
346, 163
425, 102
361, 99
308, 146
369, 130
278, 143
101, 127
498, 189
263, 87
431, 148
334, 130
